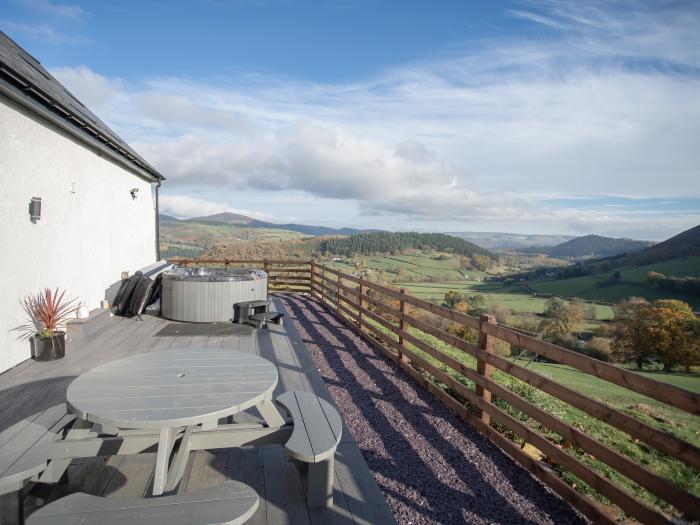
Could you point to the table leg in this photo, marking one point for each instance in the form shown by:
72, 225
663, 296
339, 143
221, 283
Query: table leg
177, 469
162, 458
57, 467
270, 414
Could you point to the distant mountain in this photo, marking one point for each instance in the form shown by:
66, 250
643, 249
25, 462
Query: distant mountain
684, 244
510, 241
223, 218
166, 218
596, 246
238, 220
308, 230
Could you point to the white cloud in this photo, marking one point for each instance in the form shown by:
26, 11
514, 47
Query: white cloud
43, 32
186, 206
609, 105
53, 9
96, 91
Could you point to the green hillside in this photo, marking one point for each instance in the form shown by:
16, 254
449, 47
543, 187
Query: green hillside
685, 244
388, 242
596, 246
413, 267
205, 234
632, 283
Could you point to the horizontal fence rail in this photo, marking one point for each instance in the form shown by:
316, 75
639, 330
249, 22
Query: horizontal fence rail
395, 322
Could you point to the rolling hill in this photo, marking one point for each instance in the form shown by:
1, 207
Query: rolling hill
603, 286
591, 246
510, 241
597, 246
237, 220
685, 244
615, 278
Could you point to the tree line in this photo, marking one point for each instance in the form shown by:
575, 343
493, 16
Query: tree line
396, 242
689, 285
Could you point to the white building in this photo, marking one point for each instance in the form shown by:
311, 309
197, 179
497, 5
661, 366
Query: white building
98, 197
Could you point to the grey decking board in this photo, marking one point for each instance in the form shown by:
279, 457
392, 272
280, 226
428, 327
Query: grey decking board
284, 493
247, 464
133, 478
132, 475
204, 330
364, 499
314, 379
208, 469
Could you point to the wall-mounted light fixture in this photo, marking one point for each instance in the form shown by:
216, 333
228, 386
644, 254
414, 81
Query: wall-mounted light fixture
35, 209
133, 192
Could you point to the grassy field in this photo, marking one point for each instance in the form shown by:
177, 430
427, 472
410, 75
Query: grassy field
631, 283
208, 235
415, 267
430, 278
517, 300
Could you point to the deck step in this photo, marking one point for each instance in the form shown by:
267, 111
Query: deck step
79, 329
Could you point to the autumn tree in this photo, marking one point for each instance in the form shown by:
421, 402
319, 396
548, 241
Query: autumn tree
630, 344
666, 330
452, 298
501, 313
462, 307
481, 262
672, 327
477, 302
561, 318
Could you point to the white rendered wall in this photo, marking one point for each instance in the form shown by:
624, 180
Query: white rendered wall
90, 228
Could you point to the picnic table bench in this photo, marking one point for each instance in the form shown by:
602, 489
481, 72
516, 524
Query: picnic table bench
316, 434
25, 449
229, 503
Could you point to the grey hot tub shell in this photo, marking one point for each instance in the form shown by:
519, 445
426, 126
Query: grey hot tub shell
207, 295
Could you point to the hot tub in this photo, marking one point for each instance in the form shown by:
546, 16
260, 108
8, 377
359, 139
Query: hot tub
207, 295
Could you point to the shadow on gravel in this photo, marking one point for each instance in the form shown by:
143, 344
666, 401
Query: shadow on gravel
431, 473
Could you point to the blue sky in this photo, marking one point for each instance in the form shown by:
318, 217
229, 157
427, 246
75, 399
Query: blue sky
532, 117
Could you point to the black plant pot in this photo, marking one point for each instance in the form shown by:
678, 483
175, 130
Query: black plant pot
49, 348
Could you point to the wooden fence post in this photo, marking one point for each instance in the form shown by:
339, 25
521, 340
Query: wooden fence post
360, 304
323, 284
312, 278
337, 293
482, 367
266, 267
403, 326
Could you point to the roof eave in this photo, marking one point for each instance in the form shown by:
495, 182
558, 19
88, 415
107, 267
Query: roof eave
18, 87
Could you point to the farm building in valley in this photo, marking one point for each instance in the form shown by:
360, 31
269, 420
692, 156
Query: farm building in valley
79, 205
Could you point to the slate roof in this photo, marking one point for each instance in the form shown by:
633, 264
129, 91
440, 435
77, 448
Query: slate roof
25, 76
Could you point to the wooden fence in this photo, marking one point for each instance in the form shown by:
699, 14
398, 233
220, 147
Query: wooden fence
395, 328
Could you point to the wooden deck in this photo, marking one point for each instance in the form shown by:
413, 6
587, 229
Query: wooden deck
34, 387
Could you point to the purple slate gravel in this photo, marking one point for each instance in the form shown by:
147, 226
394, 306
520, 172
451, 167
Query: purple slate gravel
431, 466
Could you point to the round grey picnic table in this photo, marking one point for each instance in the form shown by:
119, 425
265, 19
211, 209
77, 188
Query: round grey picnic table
172, 389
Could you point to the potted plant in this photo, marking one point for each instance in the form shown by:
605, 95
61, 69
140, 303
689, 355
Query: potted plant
47, 313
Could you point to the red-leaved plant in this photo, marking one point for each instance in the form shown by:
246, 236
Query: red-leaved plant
46, 312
